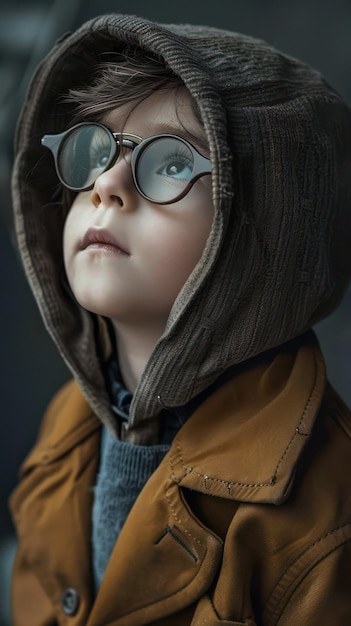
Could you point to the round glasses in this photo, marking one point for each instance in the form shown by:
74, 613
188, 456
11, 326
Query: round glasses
164, 167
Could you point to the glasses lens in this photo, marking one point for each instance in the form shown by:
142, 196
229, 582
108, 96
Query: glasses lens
84, 155
164, 168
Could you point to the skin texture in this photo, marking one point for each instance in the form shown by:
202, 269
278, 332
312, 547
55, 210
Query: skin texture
155, 247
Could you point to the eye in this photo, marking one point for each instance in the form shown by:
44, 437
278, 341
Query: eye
177, 165
99, 156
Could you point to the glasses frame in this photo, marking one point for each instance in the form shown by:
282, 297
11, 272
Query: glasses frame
55, 142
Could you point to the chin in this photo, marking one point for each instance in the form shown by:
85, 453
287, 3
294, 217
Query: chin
96, 303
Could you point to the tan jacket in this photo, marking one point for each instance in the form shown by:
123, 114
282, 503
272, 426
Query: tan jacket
246, 521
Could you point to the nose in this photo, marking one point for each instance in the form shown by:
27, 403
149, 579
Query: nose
115, 186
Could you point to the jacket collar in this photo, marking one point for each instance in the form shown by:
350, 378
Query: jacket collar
243, 443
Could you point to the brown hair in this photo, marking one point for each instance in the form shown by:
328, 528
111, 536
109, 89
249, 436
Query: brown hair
130, 75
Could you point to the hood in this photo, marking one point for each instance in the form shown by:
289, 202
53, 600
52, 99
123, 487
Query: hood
277, 259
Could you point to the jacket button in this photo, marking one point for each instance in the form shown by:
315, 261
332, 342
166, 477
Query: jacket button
70, 601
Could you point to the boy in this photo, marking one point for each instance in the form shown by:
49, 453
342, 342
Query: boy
195, 469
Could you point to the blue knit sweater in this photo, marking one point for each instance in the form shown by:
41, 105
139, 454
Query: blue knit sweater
123, 470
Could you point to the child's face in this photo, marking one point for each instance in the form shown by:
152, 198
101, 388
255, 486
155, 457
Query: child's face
126, 257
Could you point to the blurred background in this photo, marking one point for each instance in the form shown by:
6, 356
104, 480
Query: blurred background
316, 31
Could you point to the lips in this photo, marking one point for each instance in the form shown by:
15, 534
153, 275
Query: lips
99, 237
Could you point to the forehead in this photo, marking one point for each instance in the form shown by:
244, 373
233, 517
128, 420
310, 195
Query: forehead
165, 111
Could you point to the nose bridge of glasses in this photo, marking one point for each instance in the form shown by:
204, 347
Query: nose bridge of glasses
127, 140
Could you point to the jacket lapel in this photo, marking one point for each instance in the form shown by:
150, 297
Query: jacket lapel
163, 561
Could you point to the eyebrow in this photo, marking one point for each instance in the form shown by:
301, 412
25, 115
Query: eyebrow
168, 129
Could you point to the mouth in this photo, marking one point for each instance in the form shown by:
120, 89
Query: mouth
101, 239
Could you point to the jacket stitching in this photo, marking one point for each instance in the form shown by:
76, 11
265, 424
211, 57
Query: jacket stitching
173, 511
188, 470
315, 543
169, 531
297, 430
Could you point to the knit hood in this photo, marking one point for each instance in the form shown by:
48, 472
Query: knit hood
277, 259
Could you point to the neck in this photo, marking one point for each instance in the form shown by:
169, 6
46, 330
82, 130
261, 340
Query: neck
134, 348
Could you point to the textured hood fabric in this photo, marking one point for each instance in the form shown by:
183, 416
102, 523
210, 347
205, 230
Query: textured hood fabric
278, 256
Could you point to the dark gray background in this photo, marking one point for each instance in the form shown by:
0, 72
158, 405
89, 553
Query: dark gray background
318, 31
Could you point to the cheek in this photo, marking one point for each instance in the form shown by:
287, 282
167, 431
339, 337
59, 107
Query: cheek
75, 223
67, 241
71, 229
174, 252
